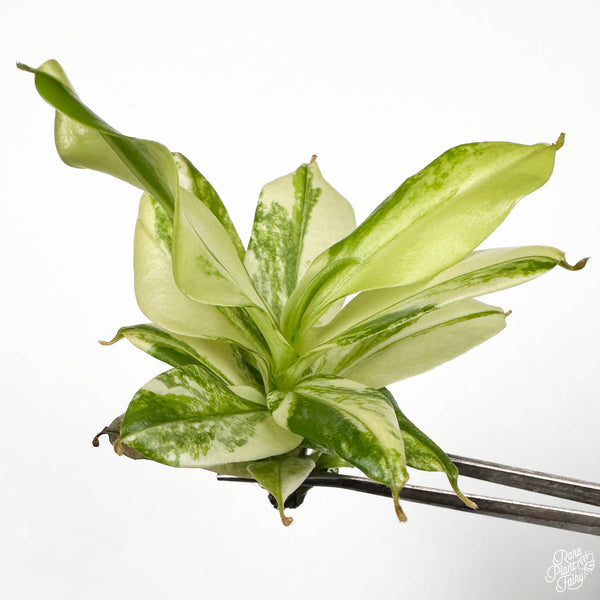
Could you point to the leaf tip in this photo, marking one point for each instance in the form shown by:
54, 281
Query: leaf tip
114, 340
96, 440
560, 142
287, 521
399, 512
576, 267
24, 67
467, 501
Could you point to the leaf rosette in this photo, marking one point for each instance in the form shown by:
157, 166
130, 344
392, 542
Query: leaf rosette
276, 373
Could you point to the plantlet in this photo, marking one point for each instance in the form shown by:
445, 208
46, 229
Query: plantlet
275, 373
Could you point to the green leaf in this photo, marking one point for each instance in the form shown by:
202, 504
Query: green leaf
298, 216
479, 273
406, 343
281, 477
433, 220
224, 360
423, 453
346, 417
188, 417
162, 301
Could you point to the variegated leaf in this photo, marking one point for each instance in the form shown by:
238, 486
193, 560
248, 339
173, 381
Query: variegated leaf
346, 417
282, 476
433, 339
225, 360
161, 300
206, 264
480, 273
113, 431
84, 140
423, 453
187, 417
298, 216
403, 343
429, 223
193, 181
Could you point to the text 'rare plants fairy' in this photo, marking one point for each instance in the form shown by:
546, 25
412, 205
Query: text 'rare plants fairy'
275, 375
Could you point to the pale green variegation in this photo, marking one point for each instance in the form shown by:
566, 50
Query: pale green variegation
481, 272
274, 377
206, 264
194, 182
430, 222
225, 360
433, 340
298, 217
164, 303
404, 343
423, 453
188, 417
352, 420
84, 140
282, 476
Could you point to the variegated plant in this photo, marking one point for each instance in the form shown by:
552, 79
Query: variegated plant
275, 373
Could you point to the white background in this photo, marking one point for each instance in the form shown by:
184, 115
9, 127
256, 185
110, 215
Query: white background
248, 91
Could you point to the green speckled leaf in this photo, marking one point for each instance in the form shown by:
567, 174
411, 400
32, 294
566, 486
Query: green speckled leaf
480, 273
423, 453
346, 417
188, 417
161, 300
432, 221
281, 477
298, 216
225, 360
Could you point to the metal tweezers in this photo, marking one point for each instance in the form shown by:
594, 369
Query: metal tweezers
533, 481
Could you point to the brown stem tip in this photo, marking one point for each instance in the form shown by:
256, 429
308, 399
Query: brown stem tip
287, 521
399, 512
576, 267
313, 159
